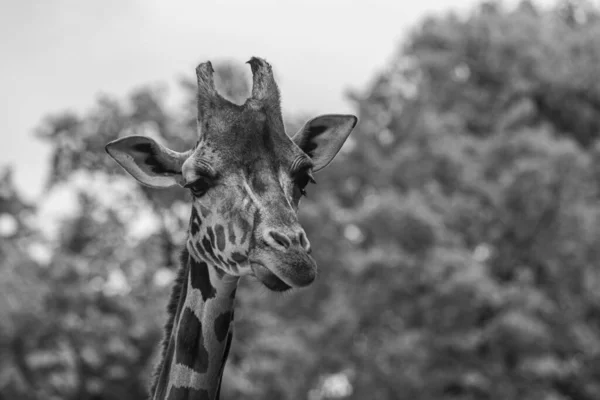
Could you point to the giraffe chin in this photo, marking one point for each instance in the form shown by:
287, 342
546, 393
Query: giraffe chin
269, 279
294, 269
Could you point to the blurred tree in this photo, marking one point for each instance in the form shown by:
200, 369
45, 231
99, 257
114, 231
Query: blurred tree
22, 291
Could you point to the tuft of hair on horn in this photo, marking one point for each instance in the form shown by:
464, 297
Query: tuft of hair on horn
263, 82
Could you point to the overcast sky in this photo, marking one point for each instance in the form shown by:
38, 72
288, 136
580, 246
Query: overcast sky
60, 54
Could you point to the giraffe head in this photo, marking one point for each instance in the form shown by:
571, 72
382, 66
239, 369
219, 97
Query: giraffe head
246, 177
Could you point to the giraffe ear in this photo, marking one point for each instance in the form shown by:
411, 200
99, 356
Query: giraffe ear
322, 137
147, 161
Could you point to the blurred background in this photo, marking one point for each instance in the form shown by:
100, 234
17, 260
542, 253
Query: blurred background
457, 231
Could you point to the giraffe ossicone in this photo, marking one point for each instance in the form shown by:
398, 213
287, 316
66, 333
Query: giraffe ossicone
246, 177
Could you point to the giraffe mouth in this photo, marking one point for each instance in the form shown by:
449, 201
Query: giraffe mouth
281, 272
269, 279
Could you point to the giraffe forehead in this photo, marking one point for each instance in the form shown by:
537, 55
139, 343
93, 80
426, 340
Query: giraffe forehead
251, 144
257, 168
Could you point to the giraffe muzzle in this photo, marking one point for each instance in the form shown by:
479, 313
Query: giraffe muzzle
281, 270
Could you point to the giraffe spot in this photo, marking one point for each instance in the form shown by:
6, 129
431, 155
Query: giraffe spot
257, 218
211, 235
191, 351
231, 232
219, 272
204, 211
232, 294
221, 259
245, 228
220, 232
185, 393
195, 222
222, 325
200, 279
208, 248
259, 184
238, 257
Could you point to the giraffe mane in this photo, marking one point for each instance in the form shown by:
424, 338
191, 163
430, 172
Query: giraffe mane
178, 287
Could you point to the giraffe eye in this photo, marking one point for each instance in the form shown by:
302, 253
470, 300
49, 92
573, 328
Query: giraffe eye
302, 179
199, 187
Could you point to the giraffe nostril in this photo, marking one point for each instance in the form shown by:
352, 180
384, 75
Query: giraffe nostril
304, 242
280, 239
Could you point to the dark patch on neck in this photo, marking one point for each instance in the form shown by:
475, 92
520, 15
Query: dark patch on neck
180, 393
220, 236
191, 350
176, 300
222, 325
225, 356
200, 279
195, 222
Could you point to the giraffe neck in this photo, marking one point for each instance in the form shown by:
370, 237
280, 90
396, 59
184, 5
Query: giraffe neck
199, 341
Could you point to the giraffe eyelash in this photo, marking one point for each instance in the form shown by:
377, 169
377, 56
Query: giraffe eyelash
302, 179
198, 187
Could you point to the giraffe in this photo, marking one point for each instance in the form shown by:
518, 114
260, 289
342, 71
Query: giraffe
246, 177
